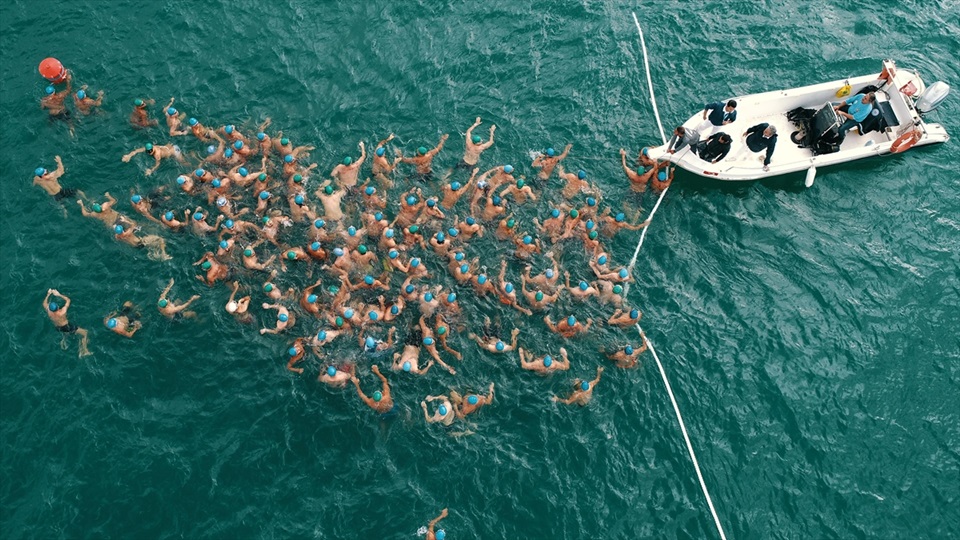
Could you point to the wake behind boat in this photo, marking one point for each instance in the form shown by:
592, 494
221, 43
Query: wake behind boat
808, 127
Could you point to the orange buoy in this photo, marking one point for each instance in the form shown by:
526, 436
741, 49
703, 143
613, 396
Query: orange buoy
905, 141
53, 70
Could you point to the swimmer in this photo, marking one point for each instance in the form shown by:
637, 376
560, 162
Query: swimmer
295, 355
143, 207
104, 212
49, 181
169, 218
382, 167
408, 362
625, 318
548, 160
140, 117
381, 401
156, 246
553, 225
547, 280
610, 225
575, 183
475, 146
424, 158
238, 308
171, 310
468, 228
372, 201
582, 391
432, 211
454, 190
440, 534
568, 327
346, 173
263, 140
445, 413
331, 200
495, 206
250, 260
628, 357
538, 300
663, 178
610, 293
199, 224
545, 364
54, 102
309, 301
410, 206
337, 377
508, 293
429, 302
57, 312
125, 322
370, 344
483, 285
352, 236
470, 403
158, 153
284, 319
494, 344
85, 103
638, 180
232, 135
174, 120
440, 244
620, 276
526, 246
441, 333
520, 192
583, 290
375, 223
202, 132
429, 341
507, 228
215, 270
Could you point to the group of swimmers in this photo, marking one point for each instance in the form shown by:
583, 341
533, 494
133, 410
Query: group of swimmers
371, 241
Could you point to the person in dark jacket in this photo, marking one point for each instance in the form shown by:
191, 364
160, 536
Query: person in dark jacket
718, 114
715, 148
760, 138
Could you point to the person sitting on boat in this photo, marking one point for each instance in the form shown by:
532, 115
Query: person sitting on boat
682, 137
759, 138
715, 148
855, 109
719, 113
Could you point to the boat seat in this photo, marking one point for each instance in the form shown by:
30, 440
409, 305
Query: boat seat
886, 110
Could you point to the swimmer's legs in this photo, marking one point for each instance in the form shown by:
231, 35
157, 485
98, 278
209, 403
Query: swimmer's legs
84, 351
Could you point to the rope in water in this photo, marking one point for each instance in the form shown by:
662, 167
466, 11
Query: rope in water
633, 261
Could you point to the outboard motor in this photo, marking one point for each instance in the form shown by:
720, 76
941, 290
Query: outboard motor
933, 97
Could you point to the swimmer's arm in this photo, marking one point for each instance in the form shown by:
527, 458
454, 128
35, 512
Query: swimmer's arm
127, 157
188, 302
434, 521
549, 323
385, 141
436, 150
597, 378
489, 143
167, 289
565, 401
363, 154
60, 168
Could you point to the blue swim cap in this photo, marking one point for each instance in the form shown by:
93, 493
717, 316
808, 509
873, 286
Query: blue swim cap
171, 111
228, 223
508, 169
551, 152
378, 216
455, 185
370, 190
431, 202
370, 343
441, 534
508, 287
555, 213
348, 313
181, 180
428, 297
322, 336
497, 200
168, 215
452, 297
481, 279
216, 182
49, 89
428, 341
292, 351
211, 149
591, 201
443, 412
283, 317
298, 199
547, 361
571, 320
620, 217
411, 200
473, 400
368, 279
389, 233
634, 313
453, 232
662, 175
527, 239
242, 170
381, 151
112, 323
377, 396
441, 237
264, 195
549, 273
198, 216
261, 136
192, 121
311, 299
628, 349
224, 244
118, 229
415, 262
459, 256
406, 366
394, 310
471, 221
373, 315
319, 223
393, 254
464, 269
602, 259
81, 94
288, 158
228, 152
409, 288
199, 172
645, 151
500, 346
52, 306
228, 129
623, 273
351, 230
585, 386
40, 171
584, 286
590, 224
314, 246
581, 174
331, 371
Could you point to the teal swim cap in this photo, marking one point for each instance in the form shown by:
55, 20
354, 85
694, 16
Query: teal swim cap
338, 321
662, 176
264, 195
199, 172
198, 216
508, 287
617, 289
40, 171
415, 262
249, 253
328, 189
297, 178
471, 221
228, 223
481, 279
555, 213
322, 336
473, 400
284, 141
348, 313
539, 296
628, 349
581, 174
138, 102
368, 279
452, 297
266, 286
228, 129
623, 273
411, 200
261, 136
441, 534
370, 343
298, 199
206, 265
476, 139
52, 306
422, 150
148, 147
428, 297
238, 145
192, 121
602, 259
393, 254
49, 89
262, 177
228, 152
319, 223
370, 190
362, 249
584, 286
511, 222
620, 217
549, 273
455, 185
377, 396
464, 268
224, 244
593, 235
634, 313
414, 229
217, 183
428, 341
118, 229
347, 160
527, 240
373, 315
288, 158
136, 199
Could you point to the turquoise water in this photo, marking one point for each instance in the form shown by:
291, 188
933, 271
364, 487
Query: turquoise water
810, 334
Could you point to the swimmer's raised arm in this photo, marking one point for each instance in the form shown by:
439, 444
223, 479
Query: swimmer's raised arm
127, 157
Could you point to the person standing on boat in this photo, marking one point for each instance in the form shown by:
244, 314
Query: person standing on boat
759, 138
715, 148
855, 109
682, 137
719, 114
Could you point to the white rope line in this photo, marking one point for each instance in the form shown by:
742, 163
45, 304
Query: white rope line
633, 262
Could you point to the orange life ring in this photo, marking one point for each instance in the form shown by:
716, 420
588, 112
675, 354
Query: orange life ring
905, 141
